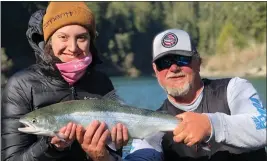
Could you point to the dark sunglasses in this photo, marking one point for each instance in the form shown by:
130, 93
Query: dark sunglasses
166, 61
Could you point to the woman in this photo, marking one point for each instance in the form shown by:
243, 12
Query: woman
64, 71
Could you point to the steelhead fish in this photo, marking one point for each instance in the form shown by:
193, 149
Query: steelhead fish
141, 123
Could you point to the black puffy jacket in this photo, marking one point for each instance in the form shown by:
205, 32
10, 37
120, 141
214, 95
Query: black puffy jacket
35, 87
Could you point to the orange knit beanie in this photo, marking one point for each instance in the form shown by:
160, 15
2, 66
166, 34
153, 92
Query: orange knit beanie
60, 14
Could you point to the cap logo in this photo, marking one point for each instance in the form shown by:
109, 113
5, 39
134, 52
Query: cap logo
169, 40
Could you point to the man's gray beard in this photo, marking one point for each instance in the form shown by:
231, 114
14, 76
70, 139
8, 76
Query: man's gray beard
177, 92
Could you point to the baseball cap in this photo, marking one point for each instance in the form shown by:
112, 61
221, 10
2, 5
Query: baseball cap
172, 41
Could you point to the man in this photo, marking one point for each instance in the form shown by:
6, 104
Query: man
222, 119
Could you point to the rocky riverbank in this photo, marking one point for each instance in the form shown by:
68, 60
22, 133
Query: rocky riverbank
253, 72
250, 62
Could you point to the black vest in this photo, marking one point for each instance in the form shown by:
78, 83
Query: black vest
214, 100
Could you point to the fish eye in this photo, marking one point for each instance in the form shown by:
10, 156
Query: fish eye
34, 120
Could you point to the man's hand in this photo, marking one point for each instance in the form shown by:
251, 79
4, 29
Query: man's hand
68, 133
93, 140
193, 128
119, 135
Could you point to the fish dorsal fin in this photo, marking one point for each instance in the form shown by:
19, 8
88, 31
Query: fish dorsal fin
163, 112
114, 97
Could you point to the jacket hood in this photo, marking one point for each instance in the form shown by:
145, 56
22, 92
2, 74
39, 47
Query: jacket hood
35, 37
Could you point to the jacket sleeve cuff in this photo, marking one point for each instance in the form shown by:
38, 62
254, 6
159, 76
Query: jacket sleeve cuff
218, 127
209, 138
52, 151
114, 157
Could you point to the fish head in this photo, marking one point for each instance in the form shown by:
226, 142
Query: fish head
38, 124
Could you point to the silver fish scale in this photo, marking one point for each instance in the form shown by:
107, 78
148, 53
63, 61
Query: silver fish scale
138, 126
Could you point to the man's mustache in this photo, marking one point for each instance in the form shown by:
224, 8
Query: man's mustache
176, 75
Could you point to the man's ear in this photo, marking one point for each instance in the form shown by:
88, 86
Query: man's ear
155, 68
199, 63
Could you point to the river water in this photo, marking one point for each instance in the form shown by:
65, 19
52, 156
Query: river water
145, 92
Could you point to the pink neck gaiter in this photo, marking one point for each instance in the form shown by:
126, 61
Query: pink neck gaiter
72, 71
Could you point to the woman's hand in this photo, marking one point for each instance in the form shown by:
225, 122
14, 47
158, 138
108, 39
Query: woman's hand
68, 133
119, 135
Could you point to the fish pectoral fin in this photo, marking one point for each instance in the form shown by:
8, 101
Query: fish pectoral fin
205, 146
111, 145
60, 136
155, 140
164, 112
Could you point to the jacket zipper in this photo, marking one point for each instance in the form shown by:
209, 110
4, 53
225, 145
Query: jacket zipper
73, 93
